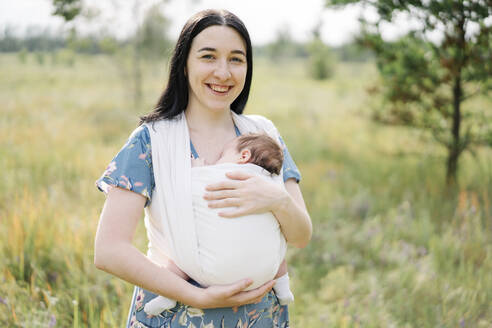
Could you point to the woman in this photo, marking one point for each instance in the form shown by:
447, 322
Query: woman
209, 83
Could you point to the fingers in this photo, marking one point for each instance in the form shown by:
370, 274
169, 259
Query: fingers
221, 194
239, 286
255, 295
223, 185
239, 175
268, 285
234, 294
229, 202
233, 213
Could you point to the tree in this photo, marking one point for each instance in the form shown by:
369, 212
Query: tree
152, 35
68, 9
148, 41
321, 62
426, 84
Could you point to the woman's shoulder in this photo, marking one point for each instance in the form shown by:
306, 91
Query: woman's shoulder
260, 122
259, 119
141, 133
131, 168
162, 124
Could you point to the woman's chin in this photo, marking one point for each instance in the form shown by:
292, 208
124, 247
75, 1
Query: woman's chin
218, 105
219, 108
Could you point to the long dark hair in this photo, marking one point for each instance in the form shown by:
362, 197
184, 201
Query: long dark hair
174, 99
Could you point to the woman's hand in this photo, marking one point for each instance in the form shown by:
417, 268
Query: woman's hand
250, 194
232, 295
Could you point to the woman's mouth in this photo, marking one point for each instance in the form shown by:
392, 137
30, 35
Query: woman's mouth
219, 89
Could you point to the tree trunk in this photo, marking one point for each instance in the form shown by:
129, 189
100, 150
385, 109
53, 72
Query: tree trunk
454, 150
455, 147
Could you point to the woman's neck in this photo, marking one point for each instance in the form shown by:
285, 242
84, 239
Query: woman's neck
208, 122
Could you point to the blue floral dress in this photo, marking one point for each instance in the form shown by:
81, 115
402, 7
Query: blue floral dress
131, 169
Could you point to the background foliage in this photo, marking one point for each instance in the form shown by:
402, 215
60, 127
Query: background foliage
427, 83
388, 248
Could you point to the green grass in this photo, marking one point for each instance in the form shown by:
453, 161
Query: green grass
390, 247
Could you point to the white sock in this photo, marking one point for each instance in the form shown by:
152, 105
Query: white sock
159, 304
282, 290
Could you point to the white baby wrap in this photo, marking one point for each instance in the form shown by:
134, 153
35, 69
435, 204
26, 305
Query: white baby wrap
250, 246
240, 248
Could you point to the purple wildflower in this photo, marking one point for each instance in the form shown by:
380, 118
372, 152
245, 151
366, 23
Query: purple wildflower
52, 322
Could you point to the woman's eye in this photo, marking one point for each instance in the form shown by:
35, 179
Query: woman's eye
237, 59
207, 56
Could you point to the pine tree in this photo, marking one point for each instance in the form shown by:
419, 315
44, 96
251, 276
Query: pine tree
426, 84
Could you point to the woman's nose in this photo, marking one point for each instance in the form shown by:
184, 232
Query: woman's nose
222, 71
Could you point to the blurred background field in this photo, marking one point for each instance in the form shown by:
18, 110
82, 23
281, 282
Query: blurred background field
389, 248
393, 246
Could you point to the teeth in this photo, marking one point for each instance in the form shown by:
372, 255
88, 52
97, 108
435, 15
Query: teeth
219, 88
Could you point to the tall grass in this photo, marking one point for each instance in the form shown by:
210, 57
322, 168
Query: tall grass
390, 247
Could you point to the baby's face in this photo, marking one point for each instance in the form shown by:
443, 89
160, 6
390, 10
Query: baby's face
230, 154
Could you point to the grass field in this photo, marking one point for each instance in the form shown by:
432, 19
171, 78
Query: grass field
390, 247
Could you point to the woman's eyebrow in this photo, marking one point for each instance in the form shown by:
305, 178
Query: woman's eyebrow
213, 49
238, 52
207, 49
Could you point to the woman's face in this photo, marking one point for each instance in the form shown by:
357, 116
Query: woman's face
216, 68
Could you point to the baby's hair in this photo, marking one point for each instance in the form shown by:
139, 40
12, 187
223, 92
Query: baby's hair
265, 151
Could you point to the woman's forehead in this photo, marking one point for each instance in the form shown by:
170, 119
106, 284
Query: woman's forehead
219, 38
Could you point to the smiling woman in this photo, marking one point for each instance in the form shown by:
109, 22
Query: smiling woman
199, 112
216, 69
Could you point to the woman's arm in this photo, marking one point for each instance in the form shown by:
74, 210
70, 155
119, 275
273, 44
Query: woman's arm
115, 254
292, 214
252, 194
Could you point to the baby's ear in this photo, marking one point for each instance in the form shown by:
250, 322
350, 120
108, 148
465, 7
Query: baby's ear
245, 156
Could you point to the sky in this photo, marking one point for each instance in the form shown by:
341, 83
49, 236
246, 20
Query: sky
263, 18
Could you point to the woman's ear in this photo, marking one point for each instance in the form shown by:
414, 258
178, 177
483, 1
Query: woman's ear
245, 156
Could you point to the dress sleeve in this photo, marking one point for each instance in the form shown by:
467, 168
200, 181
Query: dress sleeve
131, 168
289, 168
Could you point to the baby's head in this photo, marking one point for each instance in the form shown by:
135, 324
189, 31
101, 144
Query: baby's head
254, 148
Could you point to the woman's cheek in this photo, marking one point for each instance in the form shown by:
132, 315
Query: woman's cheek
240, 74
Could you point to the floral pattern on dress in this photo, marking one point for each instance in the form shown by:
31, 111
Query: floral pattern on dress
139, 299
267, 313
131, 168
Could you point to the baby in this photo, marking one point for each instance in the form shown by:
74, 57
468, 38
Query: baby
253, 148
